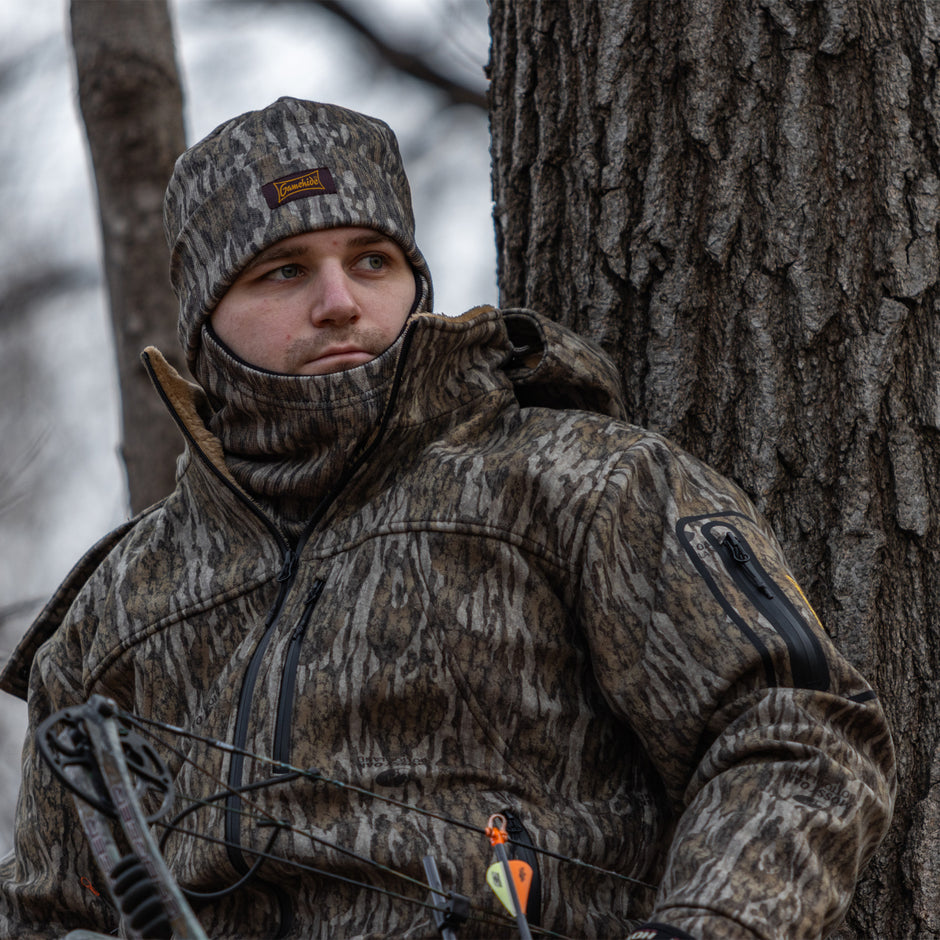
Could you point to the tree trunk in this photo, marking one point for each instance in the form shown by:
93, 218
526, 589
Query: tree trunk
131, 102
739, 200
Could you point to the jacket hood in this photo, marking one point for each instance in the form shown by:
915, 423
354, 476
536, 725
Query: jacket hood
553, 367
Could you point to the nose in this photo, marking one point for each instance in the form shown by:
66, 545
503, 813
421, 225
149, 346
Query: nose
332, 301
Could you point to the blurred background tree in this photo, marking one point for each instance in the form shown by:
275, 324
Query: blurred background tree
132, 108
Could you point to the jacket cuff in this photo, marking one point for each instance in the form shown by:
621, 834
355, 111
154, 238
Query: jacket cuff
653, 931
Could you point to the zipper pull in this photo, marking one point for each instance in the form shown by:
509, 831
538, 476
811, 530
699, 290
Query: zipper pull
301, 626
289, 568
741, 557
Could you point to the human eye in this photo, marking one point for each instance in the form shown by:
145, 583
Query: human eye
375, 261
285, 272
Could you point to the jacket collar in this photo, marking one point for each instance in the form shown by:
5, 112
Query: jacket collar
453, 362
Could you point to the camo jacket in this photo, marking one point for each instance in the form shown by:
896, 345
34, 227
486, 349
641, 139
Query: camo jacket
515, 602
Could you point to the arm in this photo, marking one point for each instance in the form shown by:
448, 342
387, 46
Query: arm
773, 751
52, 883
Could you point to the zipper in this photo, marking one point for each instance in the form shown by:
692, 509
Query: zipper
746, 564
807, 660
286, 579
522, 847
236, 768
285, 702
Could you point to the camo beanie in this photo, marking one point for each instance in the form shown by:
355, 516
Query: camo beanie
292, 167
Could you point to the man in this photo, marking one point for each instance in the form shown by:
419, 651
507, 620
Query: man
427, 557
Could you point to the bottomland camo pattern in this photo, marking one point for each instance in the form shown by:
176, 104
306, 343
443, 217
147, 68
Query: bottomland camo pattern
522, 609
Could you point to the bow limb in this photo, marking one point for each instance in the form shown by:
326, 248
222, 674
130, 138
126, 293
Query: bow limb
145, 867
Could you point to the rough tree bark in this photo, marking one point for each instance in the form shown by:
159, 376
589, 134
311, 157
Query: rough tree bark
131, 102
739, 200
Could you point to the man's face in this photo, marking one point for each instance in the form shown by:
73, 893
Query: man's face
318, 302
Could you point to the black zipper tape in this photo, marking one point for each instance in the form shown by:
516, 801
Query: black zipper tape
807, 660
233, 801
286, 581
285, 702
687, 530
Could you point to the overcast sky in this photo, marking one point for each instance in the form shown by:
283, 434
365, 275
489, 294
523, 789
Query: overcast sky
61, 484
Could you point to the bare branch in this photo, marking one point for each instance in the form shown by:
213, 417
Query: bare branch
21, 292
406, 60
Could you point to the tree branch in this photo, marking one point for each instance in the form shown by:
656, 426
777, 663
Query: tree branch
405, 60
23, 290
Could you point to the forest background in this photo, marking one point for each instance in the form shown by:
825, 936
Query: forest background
62, 479
740, 199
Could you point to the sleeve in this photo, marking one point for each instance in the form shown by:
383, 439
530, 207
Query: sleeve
774, 752
51, 883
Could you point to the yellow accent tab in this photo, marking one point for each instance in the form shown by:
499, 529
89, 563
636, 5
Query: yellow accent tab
808, 604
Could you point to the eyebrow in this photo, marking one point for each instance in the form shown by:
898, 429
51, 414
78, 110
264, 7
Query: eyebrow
371, 238
277, 252
274, 253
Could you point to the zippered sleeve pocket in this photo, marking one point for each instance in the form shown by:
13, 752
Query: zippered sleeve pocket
732, 568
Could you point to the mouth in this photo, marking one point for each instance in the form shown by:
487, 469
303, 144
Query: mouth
336, 358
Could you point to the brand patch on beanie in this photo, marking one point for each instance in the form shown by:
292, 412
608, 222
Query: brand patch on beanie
315, 182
